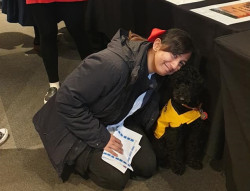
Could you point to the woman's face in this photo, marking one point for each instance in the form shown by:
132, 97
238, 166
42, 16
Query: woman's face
166, 63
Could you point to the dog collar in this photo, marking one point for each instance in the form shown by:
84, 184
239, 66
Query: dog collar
204, 114
170, 118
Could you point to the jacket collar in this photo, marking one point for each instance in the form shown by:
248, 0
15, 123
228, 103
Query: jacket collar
134, 53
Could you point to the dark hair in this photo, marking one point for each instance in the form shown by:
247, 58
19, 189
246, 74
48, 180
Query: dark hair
176, 41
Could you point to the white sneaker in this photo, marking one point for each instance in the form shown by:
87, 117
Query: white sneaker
50, 93
3, 135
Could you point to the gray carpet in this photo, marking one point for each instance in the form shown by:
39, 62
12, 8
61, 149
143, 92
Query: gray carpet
24, 165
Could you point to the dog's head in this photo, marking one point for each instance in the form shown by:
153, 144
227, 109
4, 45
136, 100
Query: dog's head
187, 85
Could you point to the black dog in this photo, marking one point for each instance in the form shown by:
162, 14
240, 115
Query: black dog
181, 131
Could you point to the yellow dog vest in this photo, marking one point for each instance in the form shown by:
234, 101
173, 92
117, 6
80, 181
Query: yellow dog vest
170, 118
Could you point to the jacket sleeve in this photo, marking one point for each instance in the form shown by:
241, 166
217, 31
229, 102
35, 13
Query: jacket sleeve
89, 82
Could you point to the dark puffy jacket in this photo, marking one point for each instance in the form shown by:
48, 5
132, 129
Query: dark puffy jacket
99, 92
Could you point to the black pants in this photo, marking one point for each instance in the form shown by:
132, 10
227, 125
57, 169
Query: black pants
46, 17
107, 176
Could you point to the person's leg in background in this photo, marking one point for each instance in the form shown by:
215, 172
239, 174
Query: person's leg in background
3, 135
36, 41
73, 14
45, 17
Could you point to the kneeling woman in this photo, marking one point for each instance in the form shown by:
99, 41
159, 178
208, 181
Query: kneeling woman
101, 91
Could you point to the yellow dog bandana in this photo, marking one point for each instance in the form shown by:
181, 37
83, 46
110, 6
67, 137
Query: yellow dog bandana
170, 118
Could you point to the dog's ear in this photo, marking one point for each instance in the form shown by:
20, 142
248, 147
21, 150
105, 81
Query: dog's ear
184, 75
188, 74
165, 91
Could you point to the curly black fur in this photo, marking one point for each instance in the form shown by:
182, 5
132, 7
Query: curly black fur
185, 144
187, 86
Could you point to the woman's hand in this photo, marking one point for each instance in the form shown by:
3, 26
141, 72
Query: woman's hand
114, 144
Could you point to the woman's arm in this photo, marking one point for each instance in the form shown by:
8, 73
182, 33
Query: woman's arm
86, 85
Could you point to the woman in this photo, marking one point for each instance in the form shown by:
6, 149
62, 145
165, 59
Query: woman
101, 92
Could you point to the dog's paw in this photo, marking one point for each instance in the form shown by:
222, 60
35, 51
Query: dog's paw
196, 165
164, 166
178, 170
163, 163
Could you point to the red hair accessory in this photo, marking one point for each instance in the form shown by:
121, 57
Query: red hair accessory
155, 33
